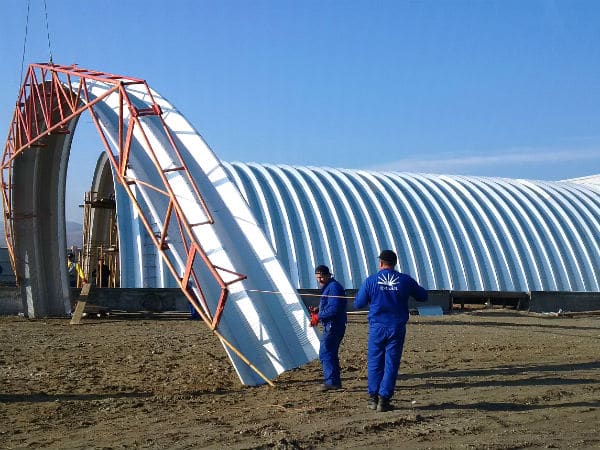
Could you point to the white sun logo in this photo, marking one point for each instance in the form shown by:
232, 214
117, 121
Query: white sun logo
387, 279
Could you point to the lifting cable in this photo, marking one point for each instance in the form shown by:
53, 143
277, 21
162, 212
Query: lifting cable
24, 45
348, 297
48, 32
25, 38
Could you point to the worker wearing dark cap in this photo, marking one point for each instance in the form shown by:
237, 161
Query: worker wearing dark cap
387, 294
332, 315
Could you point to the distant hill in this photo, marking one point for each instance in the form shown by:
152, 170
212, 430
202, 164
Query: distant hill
74, 234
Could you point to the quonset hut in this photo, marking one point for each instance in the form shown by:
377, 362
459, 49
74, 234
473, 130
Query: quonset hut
460, 233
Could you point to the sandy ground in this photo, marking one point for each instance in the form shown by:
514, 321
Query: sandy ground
489, 379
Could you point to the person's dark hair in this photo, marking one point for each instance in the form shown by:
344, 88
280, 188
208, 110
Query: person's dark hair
324, 270
388, 256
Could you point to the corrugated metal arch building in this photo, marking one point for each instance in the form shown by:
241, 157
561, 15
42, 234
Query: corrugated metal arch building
450, 232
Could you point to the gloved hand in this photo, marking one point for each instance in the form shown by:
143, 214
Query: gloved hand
314, 318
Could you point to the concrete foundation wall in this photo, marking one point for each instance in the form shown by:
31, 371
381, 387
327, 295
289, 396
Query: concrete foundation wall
160, 300
10, 301
567, 301
131, 300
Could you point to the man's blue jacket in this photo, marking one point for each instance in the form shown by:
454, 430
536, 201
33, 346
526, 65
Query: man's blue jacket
388, 291
332, 309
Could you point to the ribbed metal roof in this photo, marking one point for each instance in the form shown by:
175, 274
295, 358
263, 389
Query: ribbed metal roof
450, 232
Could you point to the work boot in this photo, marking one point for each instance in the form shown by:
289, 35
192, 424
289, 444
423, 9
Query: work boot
329, 387
384, 405
373, 399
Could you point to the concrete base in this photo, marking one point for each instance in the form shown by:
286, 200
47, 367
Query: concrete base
565, 301
162, 300
517, 300
128, 300
10, 301
131, 300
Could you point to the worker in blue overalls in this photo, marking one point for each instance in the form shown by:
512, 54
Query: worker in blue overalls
332, 315
387, 292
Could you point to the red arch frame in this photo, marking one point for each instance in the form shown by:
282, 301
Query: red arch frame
53, 95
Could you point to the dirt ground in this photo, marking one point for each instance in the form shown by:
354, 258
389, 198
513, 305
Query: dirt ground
488, 379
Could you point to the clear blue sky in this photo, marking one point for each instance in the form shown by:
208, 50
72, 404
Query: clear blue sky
494, 88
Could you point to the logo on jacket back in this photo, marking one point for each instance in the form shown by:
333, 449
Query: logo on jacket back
387, 282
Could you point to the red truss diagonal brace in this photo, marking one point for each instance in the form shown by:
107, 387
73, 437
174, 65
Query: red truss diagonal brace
49, 99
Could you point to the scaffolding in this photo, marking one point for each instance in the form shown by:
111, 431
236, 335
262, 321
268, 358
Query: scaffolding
100, 252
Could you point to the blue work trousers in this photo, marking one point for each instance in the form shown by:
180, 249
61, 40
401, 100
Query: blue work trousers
384, 352
331, 338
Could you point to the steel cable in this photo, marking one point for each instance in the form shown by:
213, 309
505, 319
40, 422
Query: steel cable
24, 43
48, 32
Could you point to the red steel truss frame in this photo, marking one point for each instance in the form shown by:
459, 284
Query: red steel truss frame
53, 95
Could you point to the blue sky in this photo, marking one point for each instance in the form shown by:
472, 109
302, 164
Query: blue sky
492, 88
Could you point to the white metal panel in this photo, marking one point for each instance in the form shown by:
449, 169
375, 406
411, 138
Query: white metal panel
272, 331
